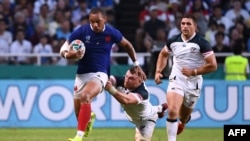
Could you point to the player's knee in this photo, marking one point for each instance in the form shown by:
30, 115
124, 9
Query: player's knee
85, 97
172, 112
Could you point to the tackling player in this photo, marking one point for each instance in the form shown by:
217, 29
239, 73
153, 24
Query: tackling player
132, 93
93, 69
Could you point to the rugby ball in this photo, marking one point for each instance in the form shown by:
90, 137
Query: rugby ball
78, 45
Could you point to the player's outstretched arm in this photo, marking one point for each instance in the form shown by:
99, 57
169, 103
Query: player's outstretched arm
120, 96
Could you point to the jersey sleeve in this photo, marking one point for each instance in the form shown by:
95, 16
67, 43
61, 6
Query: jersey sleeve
117, 36
138, 97
141, 91
77, 34
171, 40
205, 47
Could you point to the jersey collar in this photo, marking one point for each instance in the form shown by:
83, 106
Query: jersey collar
102, 30
189, 38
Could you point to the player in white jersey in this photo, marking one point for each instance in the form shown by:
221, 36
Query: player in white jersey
192, 57
132, 93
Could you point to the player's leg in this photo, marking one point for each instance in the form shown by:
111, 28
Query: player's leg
174, 101
79, 84
185, 116
191, 97
187, 107
137, 134
91, 89
90, 125
144, 131
77, 106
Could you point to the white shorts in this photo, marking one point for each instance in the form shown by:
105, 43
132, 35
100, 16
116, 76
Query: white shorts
145, 125
190, 88
145, 128
82, 79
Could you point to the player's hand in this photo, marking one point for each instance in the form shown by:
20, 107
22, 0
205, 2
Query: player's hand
112, 80
79, 54
108, 85
110, 88
74, 54
141, 73
187, 72
158, 77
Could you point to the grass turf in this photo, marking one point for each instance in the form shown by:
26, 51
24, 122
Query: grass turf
105, 134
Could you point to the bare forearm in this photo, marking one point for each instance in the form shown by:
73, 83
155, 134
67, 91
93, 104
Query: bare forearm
161, 62
131, 52
205, 69
210, 66
121, 98
129, 48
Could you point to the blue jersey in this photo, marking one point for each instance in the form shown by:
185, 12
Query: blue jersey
98, 48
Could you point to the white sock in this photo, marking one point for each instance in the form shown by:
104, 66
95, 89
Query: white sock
172, 130
80, 133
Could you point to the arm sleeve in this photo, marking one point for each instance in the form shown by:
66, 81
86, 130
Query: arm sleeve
65, 46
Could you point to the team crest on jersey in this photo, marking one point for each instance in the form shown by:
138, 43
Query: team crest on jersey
107, 38
87, 38
193, 49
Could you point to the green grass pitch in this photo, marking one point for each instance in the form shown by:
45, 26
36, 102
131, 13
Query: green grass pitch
105, 134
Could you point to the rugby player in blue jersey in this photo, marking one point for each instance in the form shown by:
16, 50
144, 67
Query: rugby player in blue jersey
93, 69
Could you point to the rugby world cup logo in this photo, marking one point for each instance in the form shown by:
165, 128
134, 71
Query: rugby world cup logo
77, 44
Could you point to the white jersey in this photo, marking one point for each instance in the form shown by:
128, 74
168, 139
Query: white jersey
190, 54
141, 111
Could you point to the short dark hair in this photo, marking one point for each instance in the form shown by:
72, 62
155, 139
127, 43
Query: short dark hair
238, 47
190, 16
137, 70
220, 34
96, 10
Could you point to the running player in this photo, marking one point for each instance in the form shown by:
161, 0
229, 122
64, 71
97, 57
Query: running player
193, 57
93, 69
